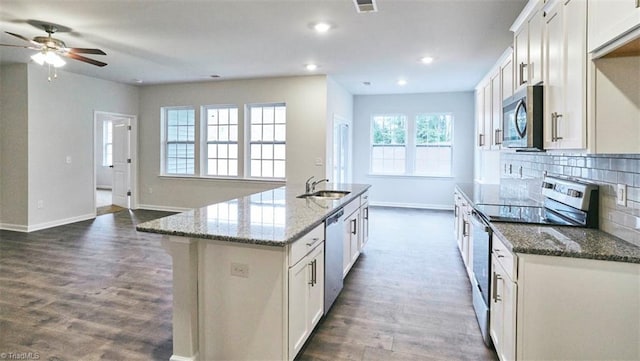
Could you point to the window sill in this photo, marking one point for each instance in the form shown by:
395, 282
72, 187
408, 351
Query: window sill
412, 176
223, 179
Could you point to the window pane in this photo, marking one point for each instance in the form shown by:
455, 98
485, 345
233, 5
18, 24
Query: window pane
222, 151
256, 132
268, 133
212, 166
212, 133
223, 133
233, 116
267, 168
223, 141
267, 151
280, 115
256, 115
279, 169
233, 151
223, 115
268, 115
256, 151
233, 133
279, 152
280, 133
255, 168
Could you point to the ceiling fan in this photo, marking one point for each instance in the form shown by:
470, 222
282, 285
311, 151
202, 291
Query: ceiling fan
50, 49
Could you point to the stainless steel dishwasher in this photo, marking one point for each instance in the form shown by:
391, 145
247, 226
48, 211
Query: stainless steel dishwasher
333, 259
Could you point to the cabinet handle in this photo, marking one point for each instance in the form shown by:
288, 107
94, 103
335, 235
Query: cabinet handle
495, 296
498, 135
315, 240
480, 140
313, 273
465, 231
354, 226
521, 69
553, 126
366, 210
455, 207
557, 117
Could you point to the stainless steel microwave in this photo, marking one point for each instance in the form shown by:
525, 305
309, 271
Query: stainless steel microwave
522, 119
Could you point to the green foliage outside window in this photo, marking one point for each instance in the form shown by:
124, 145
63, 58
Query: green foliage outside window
389, 129
433, 129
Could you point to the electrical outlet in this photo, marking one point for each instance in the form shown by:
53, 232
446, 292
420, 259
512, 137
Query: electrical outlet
240, 270
621, 195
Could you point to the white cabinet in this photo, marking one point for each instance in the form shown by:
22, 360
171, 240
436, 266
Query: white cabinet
364, 220
481, 135
565, 121
611, 19
462, 229
506, 74
350, 251
496, 110
503, 302
527, 42
306, 297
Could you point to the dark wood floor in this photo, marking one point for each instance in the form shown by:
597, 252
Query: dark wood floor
99, 290
407, 297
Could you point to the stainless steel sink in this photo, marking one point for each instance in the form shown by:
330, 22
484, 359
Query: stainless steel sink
325, 194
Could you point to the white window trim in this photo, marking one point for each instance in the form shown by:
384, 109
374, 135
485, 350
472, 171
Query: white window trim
410, 147
247, 142
163, 142
203, 166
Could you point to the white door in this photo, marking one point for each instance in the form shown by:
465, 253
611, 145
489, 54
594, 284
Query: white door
121, 165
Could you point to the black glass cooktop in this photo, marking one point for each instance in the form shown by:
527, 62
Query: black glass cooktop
522, 214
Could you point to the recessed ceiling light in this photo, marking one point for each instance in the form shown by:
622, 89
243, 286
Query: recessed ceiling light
311, 67
322, 27
426, 60
402, 82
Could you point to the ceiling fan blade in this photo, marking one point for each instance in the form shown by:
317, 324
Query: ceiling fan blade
86, 51
20, 46
84, 59
23, 38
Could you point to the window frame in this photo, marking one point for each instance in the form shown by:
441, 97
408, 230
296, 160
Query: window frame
165, 142
204, 143
411, 145
249, 142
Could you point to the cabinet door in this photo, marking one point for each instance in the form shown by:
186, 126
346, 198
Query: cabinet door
572, 123
480, 136
509, 306
506, 74
553, 76
496, 315
315, 288
609, 19
350, 242
534, 68
299, 276
355, 237
496, 111
521, 55
364, 229
486, 125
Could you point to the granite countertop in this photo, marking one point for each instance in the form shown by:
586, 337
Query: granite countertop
561, 241
272, 218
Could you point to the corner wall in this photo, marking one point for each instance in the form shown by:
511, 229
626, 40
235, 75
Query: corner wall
412, 191
306, 100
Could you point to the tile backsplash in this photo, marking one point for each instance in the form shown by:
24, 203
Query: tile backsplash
605, 170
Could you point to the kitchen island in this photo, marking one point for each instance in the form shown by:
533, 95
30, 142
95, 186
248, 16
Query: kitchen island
248, 273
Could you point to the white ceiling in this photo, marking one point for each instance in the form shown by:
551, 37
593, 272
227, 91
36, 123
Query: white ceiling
163, 41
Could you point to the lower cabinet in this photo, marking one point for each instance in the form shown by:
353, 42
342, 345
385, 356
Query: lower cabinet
306, 297
364, 221
462, 231
563, 308
350, 251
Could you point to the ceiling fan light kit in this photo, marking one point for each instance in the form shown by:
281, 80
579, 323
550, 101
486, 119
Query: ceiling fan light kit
51, 50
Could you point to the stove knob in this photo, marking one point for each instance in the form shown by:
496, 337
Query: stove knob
574, 193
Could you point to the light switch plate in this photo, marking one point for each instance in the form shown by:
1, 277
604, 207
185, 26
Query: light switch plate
621, 195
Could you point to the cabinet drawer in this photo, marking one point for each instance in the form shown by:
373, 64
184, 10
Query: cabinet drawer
351, 207
504, 256
364, 198
304, 245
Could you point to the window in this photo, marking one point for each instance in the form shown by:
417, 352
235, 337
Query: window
107, 143
267, 145
434, 134
388, 144
180, 128
222, 141
420, 146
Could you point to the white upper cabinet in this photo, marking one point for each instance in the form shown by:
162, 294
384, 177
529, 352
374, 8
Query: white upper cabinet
610, 20
527, 44
565, 75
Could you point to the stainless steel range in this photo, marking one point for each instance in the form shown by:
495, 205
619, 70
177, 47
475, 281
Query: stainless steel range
566, 203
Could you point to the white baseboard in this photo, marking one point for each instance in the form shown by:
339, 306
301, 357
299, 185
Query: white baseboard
152, 207
184, 358
45, 225
442, 207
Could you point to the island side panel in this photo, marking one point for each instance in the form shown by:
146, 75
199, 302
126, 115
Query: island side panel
184, 253
242, 316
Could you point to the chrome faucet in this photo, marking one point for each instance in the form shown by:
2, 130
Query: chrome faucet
310, 186
314, 184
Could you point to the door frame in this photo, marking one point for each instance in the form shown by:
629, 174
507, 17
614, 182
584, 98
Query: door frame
98, 116
340, 120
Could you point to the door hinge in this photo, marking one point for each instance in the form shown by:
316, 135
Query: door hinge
129, 160
128, 127
128, 193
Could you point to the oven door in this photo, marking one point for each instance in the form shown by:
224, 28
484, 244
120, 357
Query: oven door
481, 270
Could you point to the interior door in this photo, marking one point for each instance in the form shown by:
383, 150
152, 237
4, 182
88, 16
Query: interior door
341, 150
121, 165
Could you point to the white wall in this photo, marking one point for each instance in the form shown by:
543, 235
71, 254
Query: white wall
339, 103
415, 191
13, 146
61, 125
306, 100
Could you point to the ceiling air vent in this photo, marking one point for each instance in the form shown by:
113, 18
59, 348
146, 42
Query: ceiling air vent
366, 6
